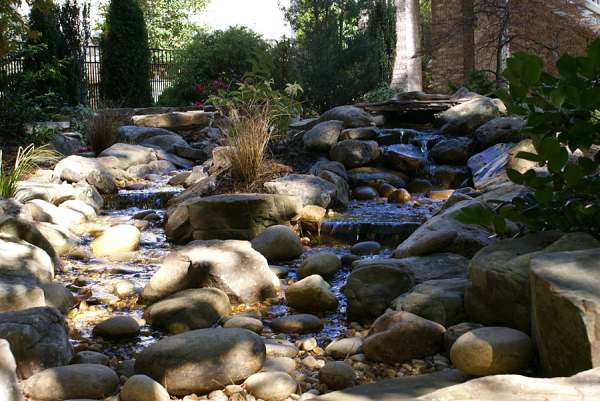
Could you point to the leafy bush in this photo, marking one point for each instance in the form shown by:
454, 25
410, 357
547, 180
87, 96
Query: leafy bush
27, 160
379, 94
224, 56
125, 62
101, 131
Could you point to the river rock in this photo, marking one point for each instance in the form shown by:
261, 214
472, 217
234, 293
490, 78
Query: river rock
43, 211
158, 167
311, 294
197, 308
129, 155
279, 364
90, 357
366, 248
404, 157
174, 119
365, 193
81, 207
271, 386
453, 333
336, 168
20, 294
231, 266
244, 322
465, 118
200, 361
38, 339
297, 324
278, 243
372, 175
62, 240
398, 337
499, 130
311, 190
143, 388
322, 136
134, 134
168, 143
492, 351
452, 151
500, 287
20, 259
57, 193
353, 153
337, 375
58, 296
118, 239
77, 168
400, 196
344, 347
441, 301
565, 288
351, 116
324, 264
72, 381
342, 189
117, 327
280, 348
363, 133
240, 216
9, 386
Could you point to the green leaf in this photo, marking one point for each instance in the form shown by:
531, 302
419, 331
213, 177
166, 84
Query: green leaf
567, 65
557, 97
529, 156
543, 196
573, 175
515, 176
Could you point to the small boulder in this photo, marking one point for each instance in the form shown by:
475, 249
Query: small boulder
366, 248
279, 364
297, 324
453, 333
271, 386
344, 347
118, 239
322, 136
322, 263
278, 243
455, 151
351, 116
77, 169
311, 294
143, 388
404, 157
400, 196
353, 153
244, 322
311, 190
365, 193
466, 117
499, 130
117, 327
129, 155
337, 375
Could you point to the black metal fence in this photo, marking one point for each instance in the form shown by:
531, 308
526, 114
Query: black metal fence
161, 61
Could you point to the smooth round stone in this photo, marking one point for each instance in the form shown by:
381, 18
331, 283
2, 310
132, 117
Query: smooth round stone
278, 243
419, 186
386, 190
344, 347
279, 364
244, 322
347, 260
324, 264
124, 289
126, 368
454, 332
311, 294
399, 196
143, 388
117, 327
366, 248
301, 323
365, 193
337, 375
118, 239
280, 348
271, 386
492, 351
90, 357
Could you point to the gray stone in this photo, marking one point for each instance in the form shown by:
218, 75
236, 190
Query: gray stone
174, 159
9, 386
175, 119
365, 193
297, 324
311, 294
499, 130
363, 133
280, 348
404, 157
200, 361
336, 168
311, 190
279, 364
82, 207
57, 193
452, 151
244, 322
454, 332
278, 243
366, 248
371, 175
337, 375
13, 228
165, 142
322, 136
344, 347
465, 118
134, 134
58, 296
354, 153
90, 357
117, 327
77, 168
43, 211
143, 388
342, 189
351, 116
129, 155
322, 263
66, 144
271, 386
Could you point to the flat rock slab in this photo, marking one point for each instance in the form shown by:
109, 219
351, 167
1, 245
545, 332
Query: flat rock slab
174, 120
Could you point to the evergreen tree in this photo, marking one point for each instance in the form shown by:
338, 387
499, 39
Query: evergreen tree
381, 33
125, 56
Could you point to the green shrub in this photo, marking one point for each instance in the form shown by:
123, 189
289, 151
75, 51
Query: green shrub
224, 56
125, 62
379, 94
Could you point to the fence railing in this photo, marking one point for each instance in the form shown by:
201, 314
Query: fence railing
161, 61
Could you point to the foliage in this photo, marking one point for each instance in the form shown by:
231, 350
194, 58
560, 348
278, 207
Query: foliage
13, 27
100, 131
125, 62
221, 55
380, 94
168, 21
479, 82
381, 33
283, 54
27, 160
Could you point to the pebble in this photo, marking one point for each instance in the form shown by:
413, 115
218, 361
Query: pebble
308, 344
279, 364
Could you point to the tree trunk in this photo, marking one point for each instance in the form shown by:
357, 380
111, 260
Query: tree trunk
408, 74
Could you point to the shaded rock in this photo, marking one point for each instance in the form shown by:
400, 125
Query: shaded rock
231, 266
189, 309
499, 130
446, 176
13, 228
129, 155
81, 207
354, 153
9, 386
278, 243
117, 239
337, 375
280, 348
402, 336
365, 193
419, 186
452, 151
400, 196
244, 322
465, 118
404, 157
20, 294
200, 361
134, 134
351, 116
117, 327
342, 189
21, 262
72, 381
77, 168
366, 248
322, 136
174, 159
311, 294
143, 388
90, 357
371, 175
453, 333
344, 347
311, 190
363, 133
43, 211
62, 240
66, 143
271, 386
492, 351
297, 324
168, 143
336, 168
58, 296
324, 264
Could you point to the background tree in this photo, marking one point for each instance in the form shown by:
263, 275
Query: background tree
407, 75
125, 65
381, 32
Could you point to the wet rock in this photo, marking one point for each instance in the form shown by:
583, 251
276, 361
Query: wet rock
118, 239
441, 301
199, 152
159, 167
344, 347
351, 116
342, 194
454, 332
337, 375
400, 196
129, 155
231, 266
363, 133
280, 348
58, 296
311, 294
280, 271
323, 165
386, 190
143, 388
401, 337
419, 186
271, 386
189, 309
366, 248
365, 193
126, 368
240, 216
499, 130
371, 175
348, 260
124, 288
492, 351
324, 264
404, 157
57, 193
312, 213
279, 364
446, 176
311, 190
278, 243
179, 162
244, 322
90, 357
175, 119
9, 386
72, 381
322, 136
354, 153
77, 168
133, 134
452, 151
117, 327
200, 361
465, 118
297, 324
38, 339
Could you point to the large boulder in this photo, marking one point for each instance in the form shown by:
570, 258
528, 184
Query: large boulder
465, 118
355, 153
404, 157
351, 116
311, 294
117, 239
322, 136
175, 119
196, 308
500, 289
35, 234
310, 189
455, 151
77, 168
231, 266
398, 337
439, 300
21, 260
9, 386
43, 211
278, 243
129, 155
201, 361
499, 130
565, 289
38, 339
58, 193
240, 216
